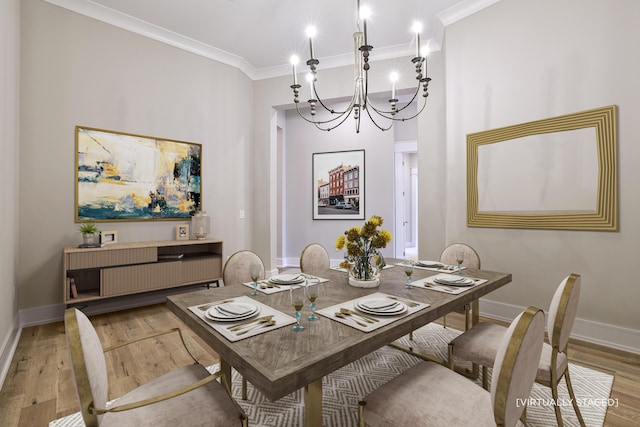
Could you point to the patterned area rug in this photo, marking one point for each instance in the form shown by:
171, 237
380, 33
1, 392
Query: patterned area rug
345, 387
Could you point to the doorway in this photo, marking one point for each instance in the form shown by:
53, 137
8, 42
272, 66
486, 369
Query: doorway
406, 200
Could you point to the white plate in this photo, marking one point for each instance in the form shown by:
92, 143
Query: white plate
287, 279
219, 314
463, 282
399, 308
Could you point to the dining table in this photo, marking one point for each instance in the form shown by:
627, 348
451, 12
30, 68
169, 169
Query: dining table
278, 360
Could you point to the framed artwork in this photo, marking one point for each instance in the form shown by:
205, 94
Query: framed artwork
182, 232
127, 177
338, 185
108, 237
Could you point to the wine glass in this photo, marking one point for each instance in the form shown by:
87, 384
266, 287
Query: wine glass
312, 294
296, 294
408, 270
459, 260
255, 270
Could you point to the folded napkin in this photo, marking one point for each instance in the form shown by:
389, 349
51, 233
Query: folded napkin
429, 264
234, 309
448, 278
378, 304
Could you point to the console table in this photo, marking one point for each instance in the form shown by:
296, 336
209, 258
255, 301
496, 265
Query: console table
117, 269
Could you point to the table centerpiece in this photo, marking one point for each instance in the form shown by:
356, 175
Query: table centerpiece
363, 258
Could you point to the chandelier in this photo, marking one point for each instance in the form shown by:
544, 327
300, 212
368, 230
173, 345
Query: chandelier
360, 102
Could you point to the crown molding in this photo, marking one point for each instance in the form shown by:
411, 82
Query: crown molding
146, 29
118, 19
462, 10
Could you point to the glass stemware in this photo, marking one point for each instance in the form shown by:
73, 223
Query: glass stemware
296, 294
255, 270
459, 260
312, 294
408, 270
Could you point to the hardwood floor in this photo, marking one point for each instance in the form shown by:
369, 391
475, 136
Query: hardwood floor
39, 386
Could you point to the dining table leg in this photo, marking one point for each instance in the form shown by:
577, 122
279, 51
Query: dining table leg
225, 368
313, 404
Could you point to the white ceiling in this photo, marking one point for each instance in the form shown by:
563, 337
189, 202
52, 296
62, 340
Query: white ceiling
259, 36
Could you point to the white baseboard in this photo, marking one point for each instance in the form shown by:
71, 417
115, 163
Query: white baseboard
585, 330
8, 350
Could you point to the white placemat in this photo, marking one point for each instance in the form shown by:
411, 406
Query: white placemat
374, 322
280, 318
267, 287
429, 283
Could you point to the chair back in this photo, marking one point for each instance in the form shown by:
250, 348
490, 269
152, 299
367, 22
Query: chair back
314, 258
236, 270
88, 364
516, 365
471, 257
562, 312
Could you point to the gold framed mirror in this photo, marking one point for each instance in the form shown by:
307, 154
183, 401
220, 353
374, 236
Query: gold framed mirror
555, 173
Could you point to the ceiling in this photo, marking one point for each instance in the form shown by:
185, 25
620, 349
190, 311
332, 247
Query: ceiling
259, 36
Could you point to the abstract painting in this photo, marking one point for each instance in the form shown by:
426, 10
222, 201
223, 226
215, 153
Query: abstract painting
127, 177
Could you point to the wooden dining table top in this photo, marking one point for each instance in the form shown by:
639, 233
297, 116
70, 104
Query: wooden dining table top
281, 361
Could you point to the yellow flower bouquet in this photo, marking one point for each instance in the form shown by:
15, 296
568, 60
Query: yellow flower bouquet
363, 246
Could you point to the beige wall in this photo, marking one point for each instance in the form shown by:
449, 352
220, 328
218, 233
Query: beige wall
9, 137
519, 61
515, 61
78, 71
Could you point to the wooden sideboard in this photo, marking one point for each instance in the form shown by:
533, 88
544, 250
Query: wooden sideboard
117, 269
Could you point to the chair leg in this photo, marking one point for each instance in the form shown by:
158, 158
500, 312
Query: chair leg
485, 379
361, 405
450, 361
411, 336
573, 398
444, 321
556, 406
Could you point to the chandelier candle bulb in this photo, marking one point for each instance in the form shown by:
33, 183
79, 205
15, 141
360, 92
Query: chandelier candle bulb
417, 27
294, 62
311, 33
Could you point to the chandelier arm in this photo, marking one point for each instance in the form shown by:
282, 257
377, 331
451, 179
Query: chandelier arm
329, 109
347, 112
384, 113
376, 123
402, 119
346, 116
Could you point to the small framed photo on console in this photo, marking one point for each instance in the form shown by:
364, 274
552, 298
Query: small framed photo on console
182, 232
108, 237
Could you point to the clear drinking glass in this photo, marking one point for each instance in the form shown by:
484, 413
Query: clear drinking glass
312, 295
459, 260
408, 270
255, 270
296, 294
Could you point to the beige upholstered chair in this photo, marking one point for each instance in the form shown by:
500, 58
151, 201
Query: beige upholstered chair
314, 258
471, 260
430, 394
236, 269
479, 344
187, 396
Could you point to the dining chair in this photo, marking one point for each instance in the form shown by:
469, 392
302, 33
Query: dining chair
471, 260
479, 344
430, 394
236, 271
186, 396
314, 257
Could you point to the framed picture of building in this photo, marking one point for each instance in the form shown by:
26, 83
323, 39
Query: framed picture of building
338, 185
127, 177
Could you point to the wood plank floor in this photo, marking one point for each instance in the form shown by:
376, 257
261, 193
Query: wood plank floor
39, 386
